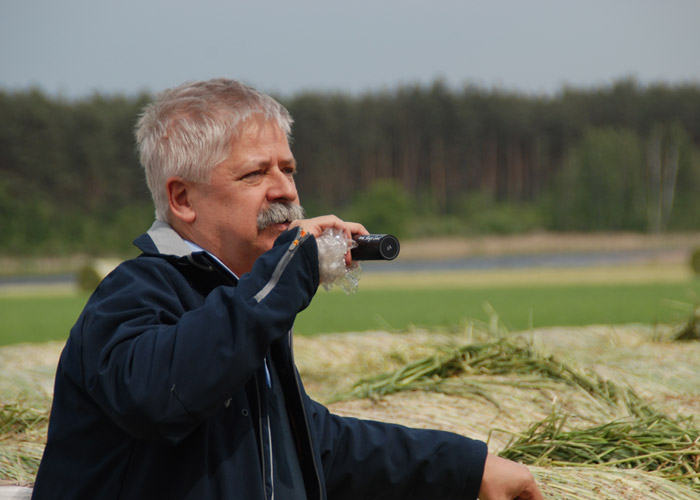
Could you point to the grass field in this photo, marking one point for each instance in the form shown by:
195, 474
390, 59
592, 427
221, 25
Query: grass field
647, 293
518, 308
521, 299
38, 318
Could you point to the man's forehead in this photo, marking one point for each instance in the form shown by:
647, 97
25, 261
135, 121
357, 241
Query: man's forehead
264, 161
257, 125
261, 141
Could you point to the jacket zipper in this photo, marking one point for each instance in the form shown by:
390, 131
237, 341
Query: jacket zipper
281, 266
262, 444
272, 462
306, 420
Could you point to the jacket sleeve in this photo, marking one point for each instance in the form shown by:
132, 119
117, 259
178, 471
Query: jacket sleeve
158, 360
376, 460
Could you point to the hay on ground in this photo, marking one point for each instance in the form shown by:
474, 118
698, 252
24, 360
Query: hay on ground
493, 406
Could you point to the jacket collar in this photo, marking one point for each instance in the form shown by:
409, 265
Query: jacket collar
161, 238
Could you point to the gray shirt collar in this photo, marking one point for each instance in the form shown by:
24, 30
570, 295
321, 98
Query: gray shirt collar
167, 241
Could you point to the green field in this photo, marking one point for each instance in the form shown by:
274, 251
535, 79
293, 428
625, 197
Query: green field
524, 299
517, 308
37, 318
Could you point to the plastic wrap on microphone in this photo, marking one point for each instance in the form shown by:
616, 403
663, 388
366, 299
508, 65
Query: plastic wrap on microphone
332, 247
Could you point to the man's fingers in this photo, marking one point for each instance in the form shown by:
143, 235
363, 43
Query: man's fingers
317, 225
507, 480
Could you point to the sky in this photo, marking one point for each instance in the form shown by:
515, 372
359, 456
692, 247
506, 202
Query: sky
74, 48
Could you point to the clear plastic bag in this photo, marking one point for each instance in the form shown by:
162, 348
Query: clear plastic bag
332, 247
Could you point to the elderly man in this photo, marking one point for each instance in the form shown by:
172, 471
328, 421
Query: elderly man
178, 380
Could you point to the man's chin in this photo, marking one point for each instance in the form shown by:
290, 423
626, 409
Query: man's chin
275, 229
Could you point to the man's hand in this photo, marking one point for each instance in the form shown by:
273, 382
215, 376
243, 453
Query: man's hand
507, 480
317, 225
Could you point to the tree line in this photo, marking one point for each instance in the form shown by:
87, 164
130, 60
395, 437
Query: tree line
415, 160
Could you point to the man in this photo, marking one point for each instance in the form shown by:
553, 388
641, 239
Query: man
178, 380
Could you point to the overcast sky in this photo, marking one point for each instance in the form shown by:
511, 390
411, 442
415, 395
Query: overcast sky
76, 47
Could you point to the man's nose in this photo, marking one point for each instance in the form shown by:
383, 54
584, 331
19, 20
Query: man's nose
282, 186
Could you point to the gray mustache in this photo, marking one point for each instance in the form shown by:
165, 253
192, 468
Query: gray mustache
278, 213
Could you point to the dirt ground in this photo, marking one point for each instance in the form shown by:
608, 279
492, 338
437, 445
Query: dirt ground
672, 245
669, 246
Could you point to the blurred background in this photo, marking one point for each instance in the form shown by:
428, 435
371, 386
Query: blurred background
424, 119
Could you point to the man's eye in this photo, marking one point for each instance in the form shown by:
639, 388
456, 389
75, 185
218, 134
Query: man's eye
290, 171
252, 175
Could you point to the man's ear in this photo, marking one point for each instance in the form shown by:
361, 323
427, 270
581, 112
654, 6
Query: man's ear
179, 199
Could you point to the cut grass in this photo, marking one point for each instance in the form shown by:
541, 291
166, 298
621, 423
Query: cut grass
22, 431
525, 401
608, 483
654, 443
499, 357
645, 438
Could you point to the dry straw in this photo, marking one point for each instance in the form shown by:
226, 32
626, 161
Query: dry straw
646, 439
607, 483
612, 435
22, 428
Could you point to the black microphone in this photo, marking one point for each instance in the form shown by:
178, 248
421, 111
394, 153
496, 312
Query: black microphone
375, 247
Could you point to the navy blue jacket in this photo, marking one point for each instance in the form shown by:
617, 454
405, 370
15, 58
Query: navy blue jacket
157, 391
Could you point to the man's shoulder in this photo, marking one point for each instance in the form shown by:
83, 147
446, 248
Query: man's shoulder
146, 262
132, 274
194, 273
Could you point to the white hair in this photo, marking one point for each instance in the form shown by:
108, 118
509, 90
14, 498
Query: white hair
189, 129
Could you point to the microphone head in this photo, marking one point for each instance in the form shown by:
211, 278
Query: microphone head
376, 247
